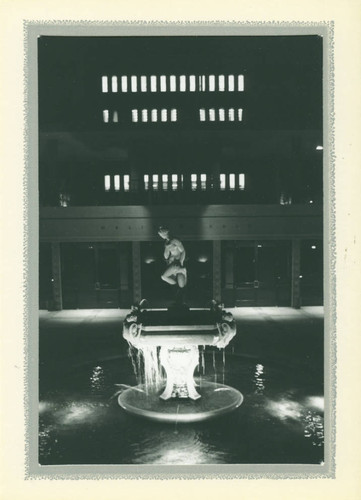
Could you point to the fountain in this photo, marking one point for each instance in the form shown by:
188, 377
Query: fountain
167, 342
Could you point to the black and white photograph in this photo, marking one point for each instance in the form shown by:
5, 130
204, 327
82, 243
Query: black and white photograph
181, 259
180, 250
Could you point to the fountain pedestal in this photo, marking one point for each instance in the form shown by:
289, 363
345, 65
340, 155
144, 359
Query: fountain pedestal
179, 364
178, 333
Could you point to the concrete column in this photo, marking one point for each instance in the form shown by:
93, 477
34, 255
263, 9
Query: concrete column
124, 266
137, 287
134, 179
229, 268
56, 276
216, 170
217, 270
296, 270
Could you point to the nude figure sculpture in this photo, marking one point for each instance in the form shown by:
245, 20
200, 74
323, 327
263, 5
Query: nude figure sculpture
174, 254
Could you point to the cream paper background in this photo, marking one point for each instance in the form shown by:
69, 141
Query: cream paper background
346, 15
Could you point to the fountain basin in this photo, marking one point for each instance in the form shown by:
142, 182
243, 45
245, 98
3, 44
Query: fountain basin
216, 399
171, 339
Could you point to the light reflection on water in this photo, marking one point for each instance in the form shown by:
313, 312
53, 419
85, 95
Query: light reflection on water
172, 450
314, 428
73, 413
316, 402
285, 409
311, 421
97, 380
278, 411
259, 379
45, 443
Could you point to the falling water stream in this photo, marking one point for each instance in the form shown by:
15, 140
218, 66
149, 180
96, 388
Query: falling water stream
149, 372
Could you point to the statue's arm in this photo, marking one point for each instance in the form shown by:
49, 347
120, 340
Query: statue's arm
166, 252
182, 252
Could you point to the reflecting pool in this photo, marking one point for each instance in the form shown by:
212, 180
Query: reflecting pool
280, 420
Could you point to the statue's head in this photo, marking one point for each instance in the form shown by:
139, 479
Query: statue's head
163, 232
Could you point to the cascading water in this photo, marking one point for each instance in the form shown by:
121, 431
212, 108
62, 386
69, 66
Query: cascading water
166, 348
146, 367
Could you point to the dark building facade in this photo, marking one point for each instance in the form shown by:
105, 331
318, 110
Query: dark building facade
219, 138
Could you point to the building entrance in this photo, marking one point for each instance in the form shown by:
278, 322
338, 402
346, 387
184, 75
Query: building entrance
95, 275
256, 273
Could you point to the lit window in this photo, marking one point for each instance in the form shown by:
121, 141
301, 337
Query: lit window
104, 84
106, 115
163, 83
240, 113
173, 83
126, 182
174, 182
212, 83
221, 83
155, 182
222, 181
182, 83
192, 83
230, 83
134, 115
115, 116
144, 115
181, 180
241, 181
117, 182
165, 182
231, 115
173, 115
133, 83
194, 181
107, 182
212, 115
163, 115
114, 84
153, 83
203, 182
240, 83
124, 83
202, 83
146, 182
154, 114
202, 115
232, 181
221, 115
143, 83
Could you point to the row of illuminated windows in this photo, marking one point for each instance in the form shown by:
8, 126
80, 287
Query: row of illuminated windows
173, 83
154, 115
165, 115
115, 185
173, 182
221, 115
110, 116
143, 115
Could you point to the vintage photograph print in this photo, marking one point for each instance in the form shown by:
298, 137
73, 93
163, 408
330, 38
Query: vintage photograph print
181, 257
